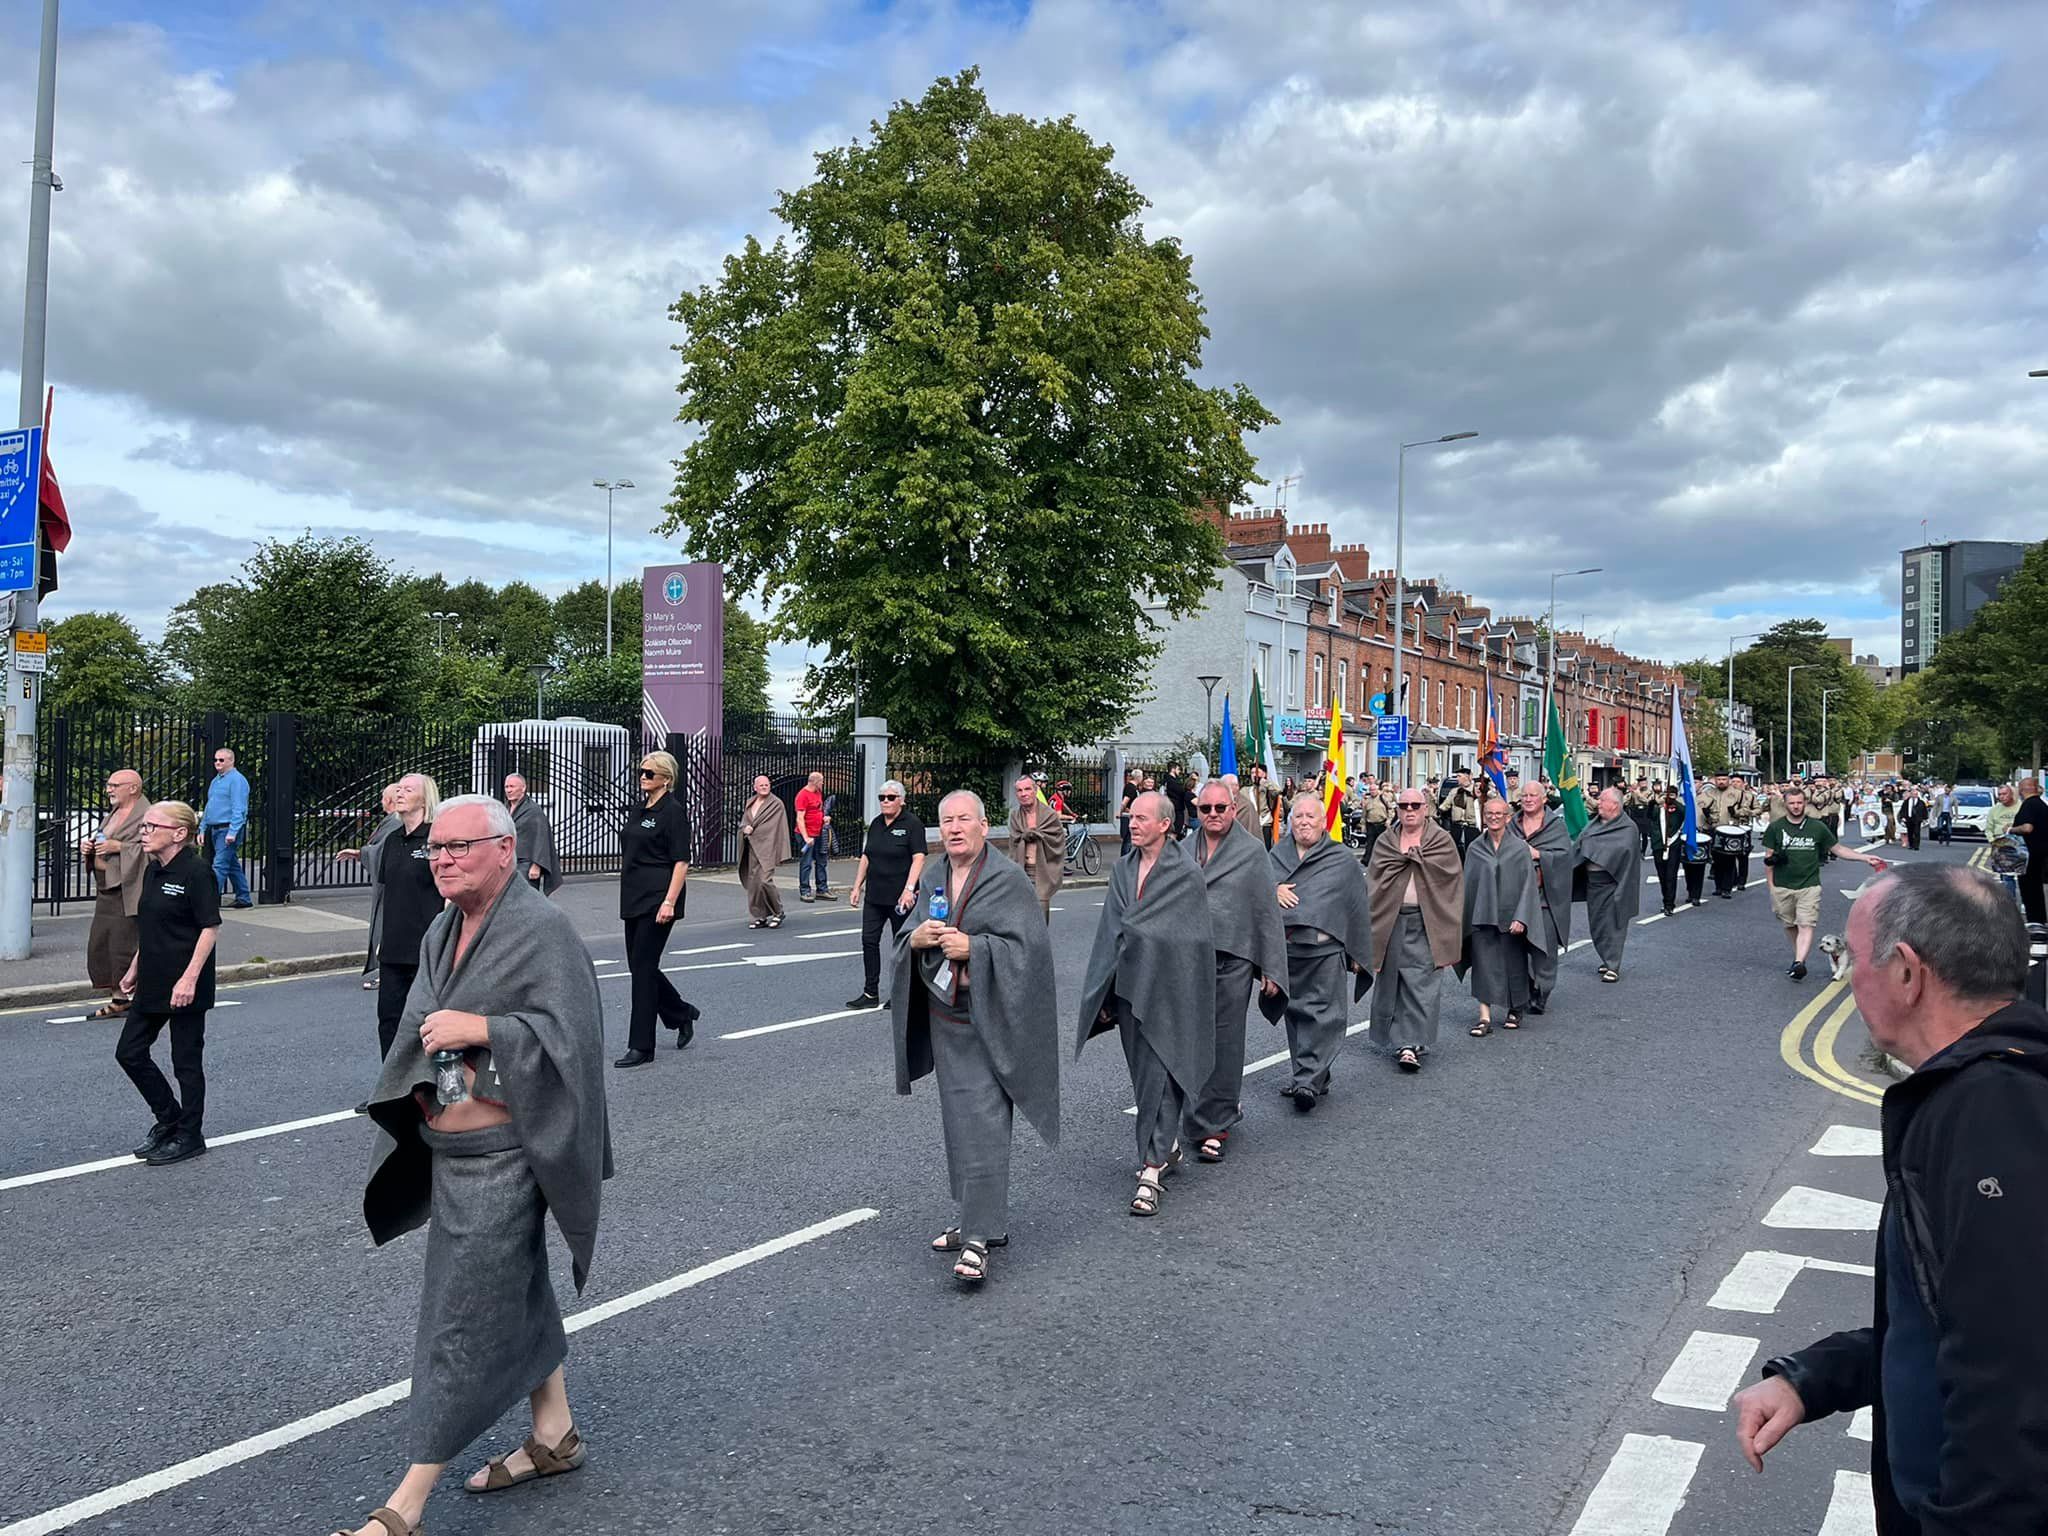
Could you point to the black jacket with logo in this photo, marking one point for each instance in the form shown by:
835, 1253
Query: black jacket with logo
1966, 1176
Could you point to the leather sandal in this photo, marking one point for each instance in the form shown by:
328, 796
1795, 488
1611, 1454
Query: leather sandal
971, 1268
392, 1521
948, 1241
118, 1009
1146, 1201
566, 1456
1212, 1148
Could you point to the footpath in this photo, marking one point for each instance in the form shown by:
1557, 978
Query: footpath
330, 930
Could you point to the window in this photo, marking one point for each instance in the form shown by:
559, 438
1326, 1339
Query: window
1439, 702
1530, 706
1315, 696
1472, 707
1293, 678
1344, 681
1265, 672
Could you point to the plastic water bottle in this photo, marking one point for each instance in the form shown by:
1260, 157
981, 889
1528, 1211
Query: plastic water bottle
941, 908
449, 1086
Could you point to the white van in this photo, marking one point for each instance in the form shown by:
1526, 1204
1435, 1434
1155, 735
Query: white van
580, 772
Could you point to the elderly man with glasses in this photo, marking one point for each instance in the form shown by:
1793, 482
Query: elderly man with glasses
885, 884
116, 855
491, 1116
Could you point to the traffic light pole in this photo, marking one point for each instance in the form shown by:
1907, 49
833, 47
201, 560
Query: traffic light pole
18, 754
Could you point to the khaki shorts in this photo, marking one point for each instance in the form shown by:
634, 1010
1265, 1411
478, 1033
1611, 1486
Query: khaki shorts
1796, 909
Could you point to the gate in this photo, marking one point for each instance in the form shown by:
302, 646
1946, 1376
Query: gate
788, 751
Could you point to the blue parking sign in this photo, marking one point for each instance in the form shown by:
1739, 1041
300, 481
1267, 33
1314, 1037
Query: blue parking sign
21, 480
1392, 739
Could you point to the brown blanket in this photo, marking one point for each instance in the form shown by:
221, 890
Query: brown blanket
764, 838
122, 869
1044, 845
1439, 889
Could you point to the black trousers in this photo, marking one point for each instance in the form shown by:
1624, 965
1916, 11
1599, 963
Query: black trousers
2034, 892
394, 981
1668, 869
1123, 829
187, 1107
872, 917
1913, 836
653, 993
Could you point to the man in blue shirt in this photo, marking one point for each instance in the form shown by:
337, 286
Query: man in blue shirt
227, 812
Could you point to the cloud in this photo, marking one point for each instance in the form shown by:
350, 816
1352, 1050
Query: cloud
1733, 306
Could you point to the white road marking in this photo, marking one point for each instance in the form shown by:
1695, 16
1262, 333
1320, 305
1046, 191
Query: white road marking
106, 1164
826, 933
1851, 1510
1577, 944
1848, 1141
1639, 1494
607, 961
86, 1018
1250, 1067
1760, 1278
1823, 1210
1706, 1372
670, 970
702, 949
190, 1470
1644, 922
1862, 1425
816, 1018
830, 954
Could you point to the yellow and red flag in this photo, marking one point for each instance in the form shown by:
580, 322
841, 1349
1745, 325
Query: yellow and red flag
1333, 773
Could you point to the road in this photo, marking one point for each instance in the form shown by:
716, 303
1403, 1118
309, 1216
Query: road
1456, 1303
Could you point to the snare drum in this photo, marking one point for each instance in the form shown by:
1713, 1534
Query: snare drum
1733, 841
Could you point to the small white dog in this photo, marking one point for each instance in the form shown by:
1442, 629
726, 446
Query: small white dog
1837, 952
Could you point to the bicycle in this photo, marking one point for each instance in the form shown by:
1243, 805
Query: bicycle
1081, 851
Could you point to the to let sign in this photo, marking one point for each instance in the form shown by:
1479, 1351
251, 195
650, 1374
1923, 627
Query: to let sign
21, 480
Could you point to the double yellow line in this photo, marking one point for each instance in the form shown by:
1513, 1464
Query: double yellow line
1981, 859
1824, 1067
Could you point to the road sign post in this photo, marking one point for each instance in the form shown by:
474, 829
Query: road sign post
1392, 738
21, 479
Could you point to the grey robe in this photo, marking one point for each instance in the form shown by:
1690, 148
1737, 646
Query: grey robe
1250, 943
1329, 931
1614, 883
1550, 939
1009, 998
1500, 889
1152, 972
489, 1329
373, 858
536, 844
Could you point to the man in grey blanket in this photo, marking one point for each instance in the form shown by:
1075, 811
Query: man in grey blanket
1551, 853
1251, 946
1151, 978
535, 859
490, 1114
974, 1002
1321, 892
1611, 848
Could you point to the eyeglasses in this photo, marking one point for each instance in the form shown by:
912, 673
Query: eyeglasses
458, 847
1212, 810
888, 797
650, 773
1411, 805
157, 826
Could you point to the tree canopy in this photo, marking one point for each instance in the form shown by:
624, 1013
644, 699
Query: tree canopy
98, 661
1994, 673
952, 427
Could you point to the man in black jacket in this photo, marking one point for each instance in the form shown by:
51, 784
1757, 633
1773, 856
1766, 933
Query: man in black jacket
1954, 1361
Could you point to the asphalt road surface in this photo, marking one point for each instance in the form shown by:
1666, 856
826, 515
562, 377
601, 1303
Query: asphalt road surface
1509, 1295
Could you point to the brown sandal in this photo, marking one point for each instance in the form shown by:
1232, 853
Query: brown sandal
392, 1521
566, 1456
117, 1009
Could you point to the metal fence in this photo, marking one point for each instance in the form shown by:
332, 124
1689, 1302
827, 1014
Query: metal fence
930, 773
787, 750
1090, 798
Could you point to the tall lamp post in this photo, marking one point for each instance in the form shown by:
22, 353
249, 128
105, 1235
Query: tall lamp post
1728, 720
542, 671
1825, 695
1550, 677
1400, 581
1798, 666
439, 619
1209, 710
609, 486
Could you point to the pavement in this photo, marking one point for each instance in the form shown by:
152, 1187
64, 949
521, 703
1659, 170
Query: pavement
1494, 1297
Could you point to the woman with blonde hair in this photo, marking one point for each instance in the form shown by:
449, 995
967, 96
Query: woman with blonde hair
656, 844
409, 901
170, 980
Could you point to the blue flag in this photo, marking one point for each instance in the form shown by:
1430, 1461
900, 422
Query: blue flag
1681, 769
1493, 761
1228, 754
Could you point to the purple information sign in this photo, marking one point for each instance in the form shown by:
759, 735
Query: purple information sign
682, 678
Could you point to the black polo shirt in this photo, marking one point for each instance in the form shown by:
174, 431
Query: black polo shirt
656, 839
180, 901
411, 899
889, 848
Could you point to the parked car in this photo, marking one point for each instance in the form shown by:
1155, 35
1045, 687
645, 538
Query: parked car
1973, 809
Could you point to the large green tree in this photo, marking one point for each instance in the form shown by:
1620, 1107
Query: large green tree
952, 428
1857, 720
311, 625
98, 661
1995, 672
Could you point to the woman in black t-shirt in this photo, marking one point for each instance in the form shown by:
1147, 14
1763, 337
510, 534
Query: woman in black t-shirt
657, 862
171, 981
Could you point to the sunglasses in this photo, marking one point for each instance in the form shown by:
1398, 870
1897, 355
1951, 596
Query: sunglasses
650, 773
1412, 805
888, 797
1212, 810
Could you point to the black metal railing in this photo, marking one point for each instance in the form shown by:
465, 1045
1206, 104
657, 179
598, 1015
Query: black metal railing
929, 773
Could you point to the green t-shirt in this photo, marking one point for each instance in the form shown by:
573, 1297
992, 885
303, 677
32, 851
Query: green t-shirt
1802, 847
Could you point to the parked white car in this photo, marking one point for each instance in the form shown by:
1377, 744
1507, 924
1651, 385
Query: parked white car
1973, 809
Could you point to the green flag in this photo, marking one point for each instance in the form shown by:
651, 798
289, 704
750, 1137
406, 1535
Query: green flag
1262, 734
1557, 763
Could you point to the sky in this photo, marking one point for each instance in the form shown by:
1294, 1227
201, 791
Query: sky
1735, 295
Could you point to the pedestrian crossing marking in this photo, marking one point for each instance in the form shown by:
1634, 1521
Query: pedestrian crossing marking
1862, 1425
1761, 1277
1642, 1489
1707, 1371
1851, 1510
1848, 1141
1822, 1210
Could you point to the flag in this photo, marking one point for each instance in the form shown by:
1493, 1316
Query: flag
50, 511
1227, 755
1262, 734
1557, 762
1493, 762
1681, 770
1333, 774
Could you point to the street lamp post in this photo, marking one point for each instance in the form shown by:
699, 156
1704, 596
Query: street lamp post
1825, 695
1728, 720
1400, 581
609, 486
439, 619
1550, 677
1798, 666
1209, 710
542, 671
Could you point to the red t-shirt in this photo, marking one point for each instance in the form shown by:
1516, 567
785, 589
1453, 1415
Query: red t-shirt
810, 811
